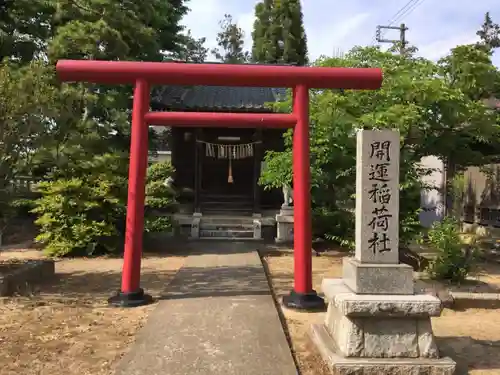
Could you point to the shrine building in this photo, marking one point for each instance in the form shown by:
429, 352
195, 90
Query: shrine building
217, 169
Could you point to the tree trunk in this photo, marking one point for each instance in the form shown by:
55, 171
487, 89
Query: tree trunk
450, 173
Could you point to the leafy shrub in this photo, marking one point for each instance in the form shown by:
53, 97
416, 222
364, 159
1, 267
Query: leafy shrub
83, 215
160, 198
86, 215
72, 219
334, 224
455, 259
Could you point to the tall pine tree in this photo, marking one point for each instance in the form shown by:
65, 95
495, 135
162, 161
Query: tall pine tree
192, 50
231, 42
489, 33
279, 35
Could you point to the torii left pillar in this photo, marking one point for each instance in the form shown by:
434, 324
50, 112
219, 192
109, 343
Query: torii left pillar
300, 79
130, 293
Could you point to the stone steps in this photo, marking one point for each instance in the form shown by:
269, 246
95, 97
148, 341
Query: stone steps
228, 233
229, 204
227, 228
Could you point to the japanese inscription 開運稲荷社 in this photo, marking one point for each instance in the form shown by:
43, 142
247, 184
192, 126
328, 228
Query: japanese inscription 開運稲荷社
377, 196
380, 195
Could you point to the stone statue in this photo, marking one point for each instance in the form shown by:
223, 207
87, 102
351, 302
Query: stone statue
168, 182
287, 195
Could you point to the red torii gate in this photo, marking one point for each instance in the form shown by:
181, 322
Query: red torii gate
143, 74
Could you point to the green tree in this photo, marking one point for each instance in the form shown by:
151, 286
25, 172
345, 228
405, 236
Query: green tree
469, 69
279, 35
191, 50
99, 121
416, 99
230, 41
24, 28
78, 125
489, 33
112, 29
266, 34
26, 98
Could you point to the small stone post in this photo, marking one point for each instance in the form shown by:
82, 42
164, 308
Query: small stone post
375, 323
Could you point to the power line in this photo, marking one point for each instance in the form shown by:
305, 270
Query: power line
409, 10
394, 18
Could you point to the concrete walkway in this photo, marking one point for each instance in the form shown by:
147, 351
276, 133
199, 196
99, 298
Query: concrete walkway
217, 317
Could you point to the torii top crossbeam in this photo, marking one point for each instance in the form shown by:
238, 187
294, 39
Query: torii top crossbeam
120, 72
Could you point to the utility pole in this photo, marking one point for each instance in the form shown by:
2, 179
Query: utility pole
402, 36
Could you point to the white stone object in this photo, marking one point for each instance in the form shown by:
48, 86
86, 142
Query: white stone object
287, 195
195, 225
257, 229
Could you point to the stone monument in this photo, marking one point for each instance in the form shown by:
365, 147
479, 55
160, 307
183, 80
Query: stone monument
375, 323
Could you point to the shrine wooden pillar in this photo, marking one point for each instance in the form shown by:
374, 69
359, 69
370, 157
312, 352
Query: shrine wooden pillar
198, 157
256, 170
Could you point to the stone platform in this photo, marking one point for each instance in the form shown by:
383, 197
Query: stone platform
341, 365
378, 333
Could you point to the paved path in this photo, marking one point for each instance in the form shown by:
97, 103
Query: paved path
217, 317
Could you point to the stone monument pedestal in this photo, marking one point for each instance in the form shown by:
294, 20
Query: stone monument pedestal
369, 278
372, 334
284, 221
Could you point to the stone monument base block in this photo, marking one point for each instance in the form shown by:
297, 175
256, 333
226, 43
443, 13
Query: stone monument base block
373, 278
284, 221
340, 365
379, 334
370, 305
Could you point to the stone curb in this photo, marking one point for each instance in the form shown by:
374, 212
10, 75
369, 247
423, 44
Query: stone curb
458, 296
22, 280
452, 300
464, 300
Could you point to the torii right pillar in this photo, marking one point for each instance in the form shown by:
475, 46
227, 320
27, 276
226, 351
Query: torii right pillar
303, 296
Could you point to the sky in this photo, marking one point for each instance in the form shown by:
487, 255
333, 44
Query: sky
333, 27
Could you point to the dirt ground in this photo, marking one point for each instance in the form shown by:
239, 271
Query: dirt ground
66, 324
470, 336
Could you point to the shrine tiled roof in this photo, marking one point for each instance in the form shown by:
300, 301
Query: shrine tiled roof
216, 98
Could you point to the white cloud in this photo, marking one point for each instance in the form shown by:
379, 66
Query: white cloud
203, 19
434, 27
442, 47
325, 40
246, 21
348, 27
